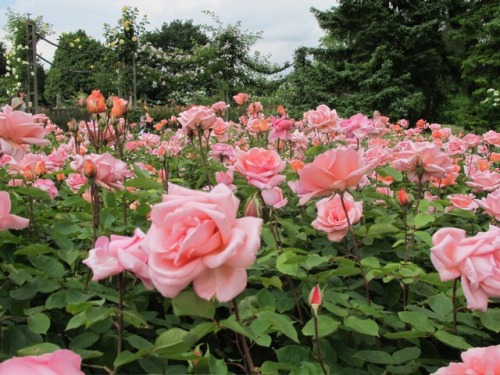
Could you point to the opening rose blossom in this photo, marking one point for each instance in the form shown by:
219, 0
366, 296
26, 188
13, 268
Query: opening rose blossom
196, 237
260, 167
333, 171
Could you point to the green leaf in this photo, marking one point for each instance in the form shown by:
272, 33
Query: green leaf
371, 262
127, 356
413, 334
237, 327
491, 319
280, 322
422, 219
34, 249
365, 326
39, 323
424, 237
84, 340
42, 348
144, 183
326, 326
452, 340
56, 301
416, 320
273, 368
76, 321
441, 304
35, 193
51, 266
188, 303
217, 366
380, 230
406, 354
388, 171
288, 264
375, 356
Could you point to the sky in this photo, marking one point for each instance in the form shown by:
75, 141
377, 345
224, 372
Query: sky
285, 24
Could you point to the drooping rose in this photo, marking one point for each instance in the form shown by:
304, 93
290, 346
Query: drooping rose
332, 217
274, 197
60, 362
260, 167
196, 237
333, 171
18, 130
8, 220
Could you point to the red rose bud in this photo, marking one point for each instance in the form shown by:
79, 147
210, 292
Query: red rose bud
315, 299
403, 198
253, 207
89, 168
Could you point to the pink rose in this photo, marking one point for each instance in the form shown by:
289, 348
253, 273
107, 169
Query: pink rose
274, 197
484, 180
359, 126
226, 178
323, 119
422, 160
17, 129
491, 204
475, 361
282, 129
47, 185
8, 220
332, 217
197, 117
472, 140
462, 201
492, 138
476, 259
111, 256
220, 107
60, 362
260, 167
241, 98
111, 172
75, 181
196, 237
333, 171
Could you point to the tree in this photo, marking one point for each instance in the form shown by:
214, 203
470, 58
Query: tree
80, 64
376, 55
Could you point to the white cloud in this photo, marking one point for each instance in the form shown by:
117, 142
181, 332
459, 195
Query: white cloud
285, 24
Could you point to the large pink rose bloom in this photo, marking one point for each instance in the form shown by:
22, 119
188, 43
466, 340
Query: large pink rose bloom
484, 180
111, 172
422, 160
476, 259
260, 167
111, 256
333, 171
60, 362
491, 204
323, 119
197, 117
282, 129
332, 217
196, 237
8, 220
475, 361
18, 128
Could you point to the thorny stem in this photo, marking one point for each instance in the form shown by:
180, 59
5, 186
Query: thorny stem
248, 357
319, 356
356, 250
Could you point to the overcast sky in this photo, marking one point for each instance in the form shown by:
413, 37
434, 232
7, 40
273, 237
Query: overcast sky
285, 24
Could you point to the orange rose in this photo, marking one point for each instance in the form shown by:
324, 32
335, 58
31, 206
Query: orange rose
95, 102
120, 107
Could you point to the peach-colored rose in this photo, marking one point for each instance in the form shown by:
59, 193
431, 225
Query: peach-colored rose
60, 362
220, 107
111, 256
472, 140
274, 197
491, 204
8, 220
75, 181
476, 259
197, 117
196, 237
260, 167
111, 172
120, 107
323, 119
332, 217
18, 130
333, 171
475, 361
241, 98
96, 102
